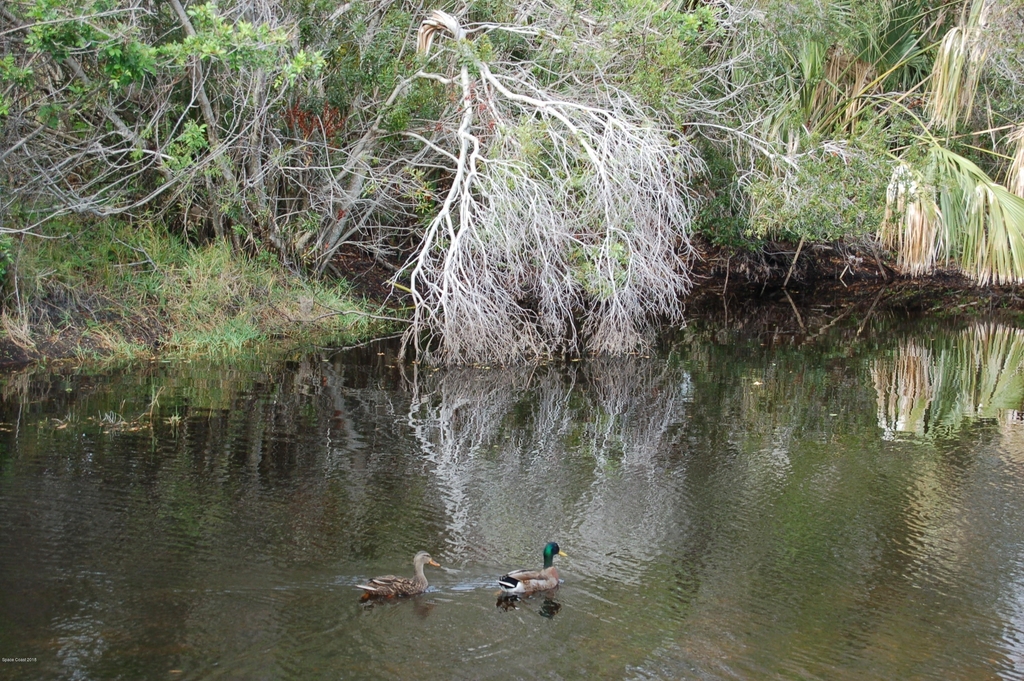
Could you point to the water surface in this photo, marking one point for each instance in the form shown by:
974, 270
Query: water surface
732, 508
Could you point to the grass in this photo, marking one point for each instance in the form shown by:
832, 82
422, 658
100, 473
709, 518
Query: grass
117, 291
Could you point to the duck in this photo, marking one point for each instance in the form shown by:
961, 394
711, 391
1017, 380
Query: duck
390, 586
520, 582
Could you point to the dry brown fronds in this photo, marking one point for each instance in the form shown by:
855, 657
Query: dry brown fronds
912, 224
18, 330
437, 22
957, 68
838, 95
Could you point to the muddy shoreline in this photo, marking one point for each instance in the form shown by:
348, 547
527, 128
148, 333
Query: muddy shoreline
832, 286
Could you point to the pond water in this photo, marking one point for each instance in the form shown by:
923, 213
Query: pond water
731, 507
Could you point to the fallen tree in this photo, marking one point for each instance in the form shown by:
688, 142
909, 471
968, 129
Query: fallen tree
566, 221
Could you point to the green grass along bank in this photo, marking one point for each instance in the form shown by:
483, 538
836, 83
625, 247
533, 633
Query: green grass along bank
128, 291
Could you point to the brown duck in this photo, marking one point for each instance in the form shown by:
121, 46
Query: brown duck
390, 585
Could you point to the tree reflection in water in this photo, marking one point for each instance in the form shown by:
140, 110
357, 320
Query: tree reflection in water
932, 389
506, 447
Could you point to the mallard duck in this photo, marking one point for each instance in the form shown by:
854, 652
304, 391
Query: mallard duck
390, 585
529, 581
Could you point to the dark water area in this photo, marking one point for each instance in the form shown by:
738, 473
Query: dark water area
732, 508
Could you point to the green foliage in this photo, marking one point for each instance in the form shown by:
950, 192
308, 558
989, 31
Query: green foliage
302, 63
424, 195
6, 243
50, 115
600, 271
897, 41
1003, 83
838, 191
188, 145
512, 45
490, 11
664, 54
238, 44
353, 65
11, 76
127, 62
55, 33
61, 31
722, 219
982, 223
483, 48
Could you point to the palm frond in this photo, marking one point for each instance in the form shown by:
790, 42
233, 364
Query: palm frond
984, 221
958, 64
1015, 173
812, 67
898, 45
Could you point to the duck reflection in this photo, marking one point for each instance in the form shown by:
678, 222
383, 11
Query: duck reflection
422, 606
549, 607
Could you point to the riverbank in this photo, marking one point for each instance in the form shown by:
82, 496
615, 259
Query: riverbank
130, 291
832, 285
200, 302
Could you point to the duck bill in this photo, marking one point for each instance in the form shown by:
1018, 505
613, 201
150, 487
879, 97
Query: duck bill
435, 563
563, 554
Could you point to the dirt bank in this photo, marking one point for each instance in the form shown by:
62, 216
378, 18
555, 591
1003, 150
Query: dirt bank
830, 285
